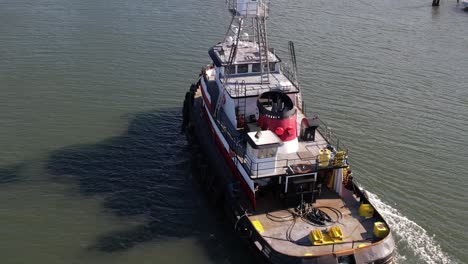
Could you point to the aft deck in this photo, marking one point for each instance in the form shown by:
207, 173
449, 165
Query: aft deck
290, 236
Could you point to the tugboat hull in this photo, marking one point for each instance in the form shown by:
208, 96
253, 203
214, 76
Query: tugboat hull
214, 168
282, 177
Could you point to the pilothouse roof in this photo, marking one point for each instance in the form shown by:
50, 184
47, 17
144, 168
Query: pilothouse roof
247, 52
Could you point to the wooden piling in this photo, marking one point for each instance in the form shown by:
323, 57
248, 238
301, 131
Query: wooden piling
435, 2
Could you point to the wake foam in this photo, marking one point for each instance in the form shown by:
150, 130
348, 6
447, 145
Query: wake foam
409, 236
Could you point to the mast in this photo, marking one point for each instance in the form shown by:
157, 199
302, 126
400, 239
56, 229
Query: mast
246, 29
248, 23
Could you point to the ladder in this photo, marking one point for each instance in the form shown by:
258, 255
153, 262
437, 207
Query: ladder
263, 50
232, 55
241, 90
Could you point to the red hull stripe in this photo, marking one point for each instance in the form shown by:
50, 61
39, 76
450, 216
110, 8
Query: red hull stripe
227, 158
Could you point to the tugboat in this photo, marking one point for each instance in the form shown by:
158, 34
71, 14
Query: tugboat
283, 177
465, 3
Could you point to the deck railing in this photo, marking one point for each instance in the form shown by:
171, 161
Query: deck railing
331, 137
236, 88
288, 72
282, 166
262, 169
249, 9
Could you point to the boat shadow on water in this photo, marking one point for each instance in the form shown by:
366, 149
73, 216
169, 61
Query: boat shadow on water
146, 172
11, 174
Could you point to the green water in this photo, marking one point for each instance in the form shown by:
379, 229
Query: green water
92, 166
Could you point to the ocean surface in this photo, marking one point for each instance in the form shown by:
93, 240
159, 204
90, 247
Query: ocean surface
93, 168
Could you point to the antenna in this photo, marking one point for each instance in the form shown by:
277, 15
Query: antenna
292, 58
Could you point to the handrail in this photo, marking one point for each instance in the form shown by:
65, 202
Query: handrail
288, 73
256, 8
255, 172
331, 137
260, 88
236, 145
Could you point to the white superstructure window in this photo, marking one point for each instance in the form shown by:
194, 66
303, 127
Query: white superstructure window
256, 67
243, 68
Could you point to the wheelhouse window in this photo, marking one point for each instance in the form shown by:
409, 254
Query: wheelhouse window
256, 67
272, 66
243, 68
231, 69
267, 153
